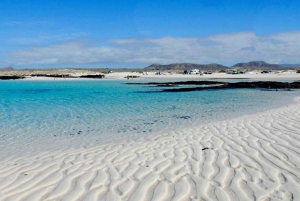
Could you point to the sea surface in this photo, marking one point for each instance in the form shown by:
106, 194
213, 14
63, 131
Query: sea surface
43, 114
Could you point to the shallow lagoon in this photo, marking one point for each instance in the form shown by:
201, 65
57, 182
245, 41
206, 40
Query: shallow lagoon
44, 113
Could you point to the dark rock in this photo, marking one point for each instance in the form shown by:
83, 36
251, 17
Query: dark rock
185, 117
52, 75
92, 76
167, 85
246, 85
13, 77
131, 76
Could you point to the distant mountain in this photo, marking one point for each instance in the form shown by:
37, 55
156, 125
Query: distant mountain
186, 66
7, 68
291, 65
257, 65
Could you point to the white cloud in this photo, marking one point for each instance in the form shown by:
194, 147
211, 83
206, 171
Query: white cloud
223, 48
46, 39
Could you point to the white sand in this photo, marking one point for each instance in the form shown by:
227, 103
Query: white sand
288, 76
253, 76
254, 157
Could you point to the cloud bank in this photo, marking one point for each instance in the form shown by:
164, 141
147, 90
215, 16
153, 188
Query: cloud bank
223, 48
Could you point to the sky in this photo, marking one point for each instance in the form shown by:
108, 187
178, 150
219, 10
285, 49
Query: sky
137, 33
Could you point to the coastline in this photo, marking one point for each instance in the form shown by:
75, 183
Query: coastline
254, 76
252, 157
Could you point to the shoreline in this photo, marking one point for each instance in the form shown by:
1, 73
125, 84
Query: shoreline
249, 157
255, 75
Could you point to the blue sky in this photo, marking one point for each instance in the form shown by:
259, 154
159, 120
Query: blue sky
136, 33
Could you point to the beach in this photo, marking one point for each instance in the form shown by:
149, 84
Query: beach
251, 157
149, 100
254, 75
36, 74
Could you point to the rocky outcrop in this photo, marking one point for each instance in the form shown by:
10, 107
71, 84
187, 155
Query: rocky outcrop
213, 85
11, 77
92, 76
51, 75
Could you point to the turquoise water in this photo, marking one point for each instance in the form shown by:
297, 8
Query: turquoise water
40, 113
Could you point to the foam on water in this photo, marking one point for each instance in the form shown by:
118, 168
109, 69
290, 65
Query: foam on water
43, 113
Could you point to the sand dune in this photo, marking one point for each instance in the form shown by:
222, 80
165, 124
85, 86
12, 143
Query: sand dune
253, 157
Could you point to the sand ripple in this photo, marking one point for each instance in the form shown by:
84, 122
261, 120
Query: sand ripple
254, 157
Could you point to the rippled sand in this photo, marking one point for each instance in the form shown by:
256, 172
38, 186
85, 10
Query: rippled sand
253, 157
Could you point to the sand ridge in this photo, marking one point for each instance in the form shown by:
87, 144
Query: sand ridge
254, 157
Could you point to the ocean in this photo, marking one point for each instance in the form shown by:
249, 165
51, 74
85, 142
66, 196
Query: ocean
44, 114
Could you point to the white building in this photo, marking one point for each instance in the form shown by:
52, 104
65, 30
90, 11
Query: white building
194, 71
231, 71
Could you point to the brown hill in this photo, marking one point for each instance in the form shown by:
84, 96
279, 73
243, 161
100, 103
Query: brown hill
291, 65
7, 68
257, 65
